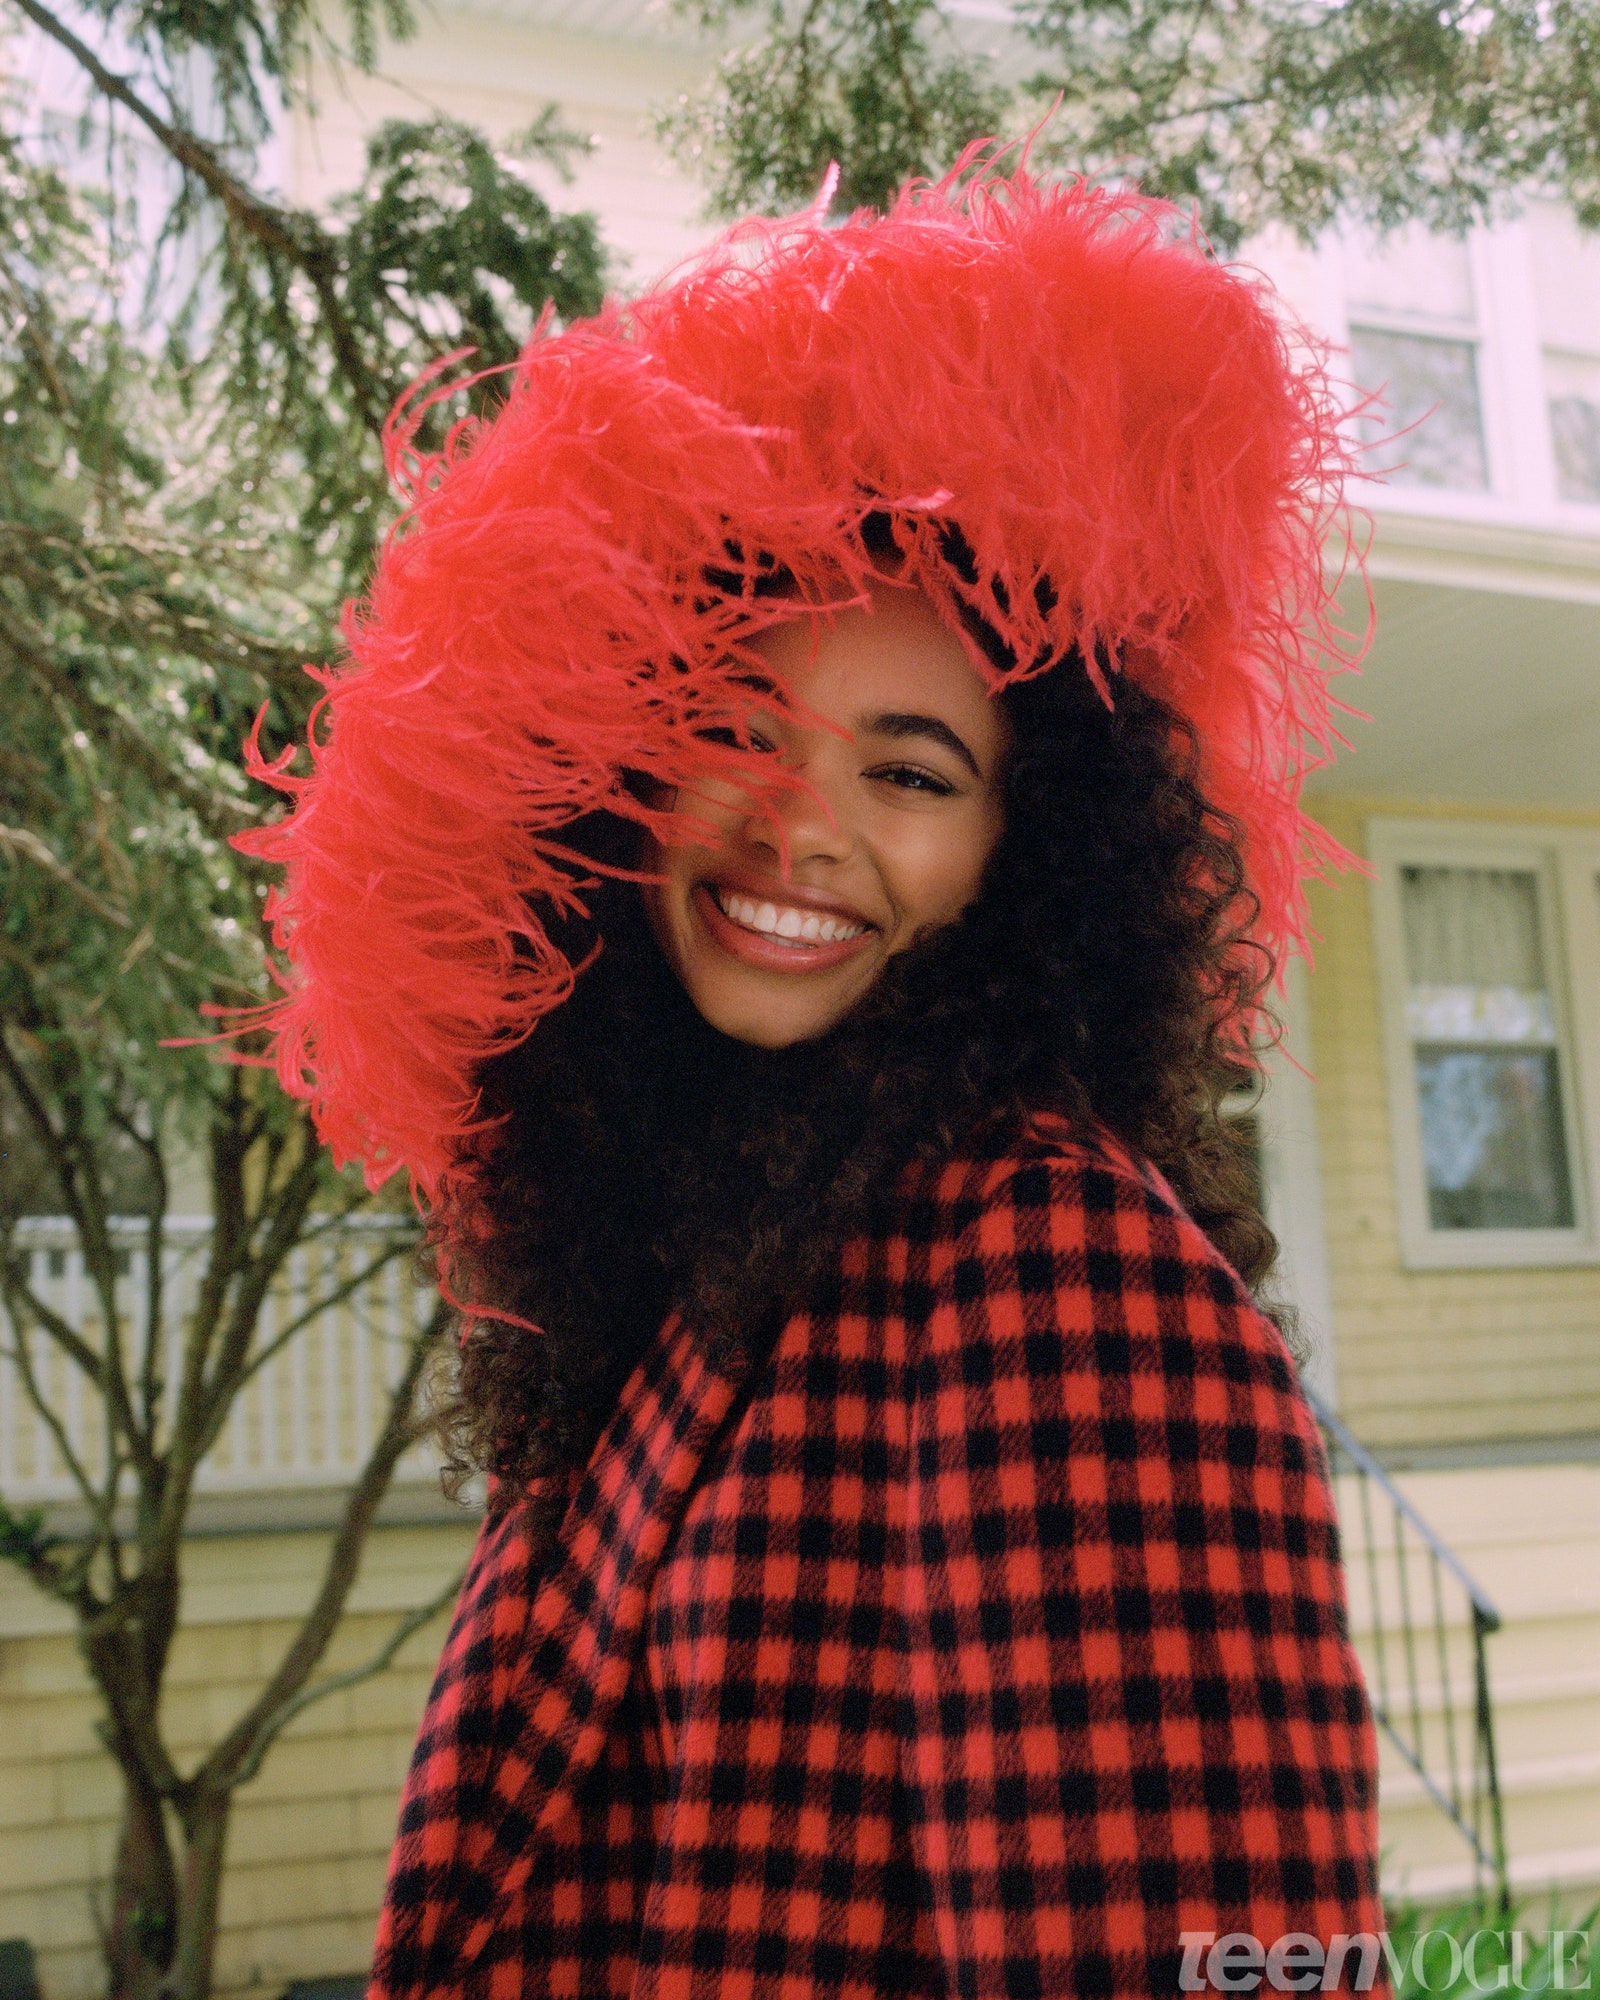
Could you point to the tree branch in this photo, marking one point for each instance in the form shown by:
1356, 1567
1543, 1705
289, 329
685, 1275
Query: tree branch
914, 112
20, 841
97, 1503
61, 1331
103, 1369
228, 1250
53, 1143
251, 1735
133, 1731
253, 1276
219, 812
286, 233
24, 1542
155, 1276
279, 1720
341, 1292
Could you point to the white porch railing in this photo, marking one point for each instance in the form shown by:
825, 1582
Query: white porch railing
306, 1419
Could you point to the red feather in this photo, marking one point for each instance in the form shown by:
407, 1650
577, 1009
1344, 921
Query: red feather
1063, 371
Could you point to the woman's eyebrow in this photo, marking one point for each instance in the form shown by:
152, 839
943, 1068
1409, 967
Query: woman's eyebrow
897, 725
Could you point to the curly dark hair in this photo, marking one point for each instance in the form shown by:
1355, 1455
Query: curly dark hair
647, 1161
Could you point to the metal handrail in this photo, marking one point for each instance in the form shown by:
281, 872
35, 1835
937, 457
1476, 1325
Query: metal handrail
1469, 1799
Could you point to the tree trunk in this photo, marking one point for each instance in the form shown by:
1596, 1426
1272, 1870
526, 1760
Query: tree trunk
144, 1896
205, 1830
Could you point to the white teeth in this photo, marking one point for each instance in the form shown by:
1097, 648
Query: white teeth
787, 923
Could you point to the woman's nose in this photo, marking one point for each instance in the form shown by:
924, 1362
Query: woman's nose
803, 818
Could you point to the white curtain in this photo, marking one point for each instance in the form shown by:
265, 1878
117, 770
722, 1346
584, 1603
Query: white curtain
1473, 927
1492, 1142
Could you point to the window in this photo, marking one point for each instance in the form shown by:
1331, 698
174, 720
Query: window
1414, 338
1566, 272
1490, 1036
1484, 1050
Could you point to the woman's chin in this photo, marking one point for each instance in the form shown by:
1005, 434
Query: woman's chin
747, 1012
767, 991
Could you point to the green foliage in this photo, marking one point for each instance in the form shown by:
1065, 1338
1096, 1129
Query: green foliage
180, 518
249, 54
127, 659
1468, 1952
22, 1536
881, 88
1267, 110
1296, 111
191, 481
317, 324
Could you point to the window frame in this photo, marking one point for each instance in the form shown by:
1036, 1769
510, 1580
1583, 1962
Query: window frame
1565, 862
1481, 335
1522, 492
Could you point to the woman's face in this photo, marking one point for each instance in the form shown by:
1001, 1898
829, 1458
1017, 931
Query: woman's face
889, 841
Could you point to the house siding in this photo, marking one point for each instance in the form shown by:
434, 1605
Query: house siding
310, 1835
1437, 1357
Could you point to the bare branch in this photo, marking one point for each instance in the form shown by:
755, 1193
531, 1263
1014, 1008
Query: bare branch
256, 1728
133, 1733
103, 1369
253, 1277
61, 1331
155, 1276
337, 1296
53, 1143
413, 1621
227, 1252
336, 1219
97, 1503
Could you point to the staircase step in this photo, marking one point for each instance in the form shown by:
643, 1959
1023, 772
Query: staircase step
1568, 1868
1523, 1649
1529, 1537
1528, 1710
1566, 1772
1547, 1803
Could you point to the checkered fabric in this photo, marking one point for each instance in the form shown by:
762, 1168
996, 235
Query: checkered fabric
986, 1638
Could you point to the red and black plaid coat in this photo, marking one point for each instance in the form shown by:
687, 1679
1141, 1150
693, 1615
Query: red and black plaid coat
988, 1637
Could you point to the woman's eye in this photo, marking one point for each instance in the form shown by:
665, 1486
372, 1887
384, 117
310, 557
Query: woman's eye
913, 778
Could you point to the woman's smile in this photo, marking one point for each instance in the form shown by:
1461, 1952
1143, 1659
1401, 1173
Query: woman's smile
893, 755
769, 925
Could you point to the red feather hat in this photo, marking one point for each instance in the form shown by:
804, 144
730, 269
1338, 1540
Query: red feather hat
1141, 454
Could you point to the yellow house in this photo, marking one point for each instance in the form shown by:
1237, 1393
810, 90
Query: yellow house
1432, 1164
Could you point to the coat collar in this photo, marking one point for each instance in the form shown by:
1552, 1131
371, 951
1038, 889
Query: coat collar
587, 1615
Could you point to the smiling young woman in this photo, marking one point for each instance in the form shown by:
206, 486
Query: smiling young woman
792, 871
781, 920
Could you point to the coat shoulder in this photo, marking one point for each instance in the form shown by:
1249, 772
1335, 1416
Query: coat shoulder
1061, 1228
1046, 1165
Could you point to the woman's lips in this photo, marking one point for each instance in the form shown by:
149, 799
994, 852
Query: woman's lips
769, 948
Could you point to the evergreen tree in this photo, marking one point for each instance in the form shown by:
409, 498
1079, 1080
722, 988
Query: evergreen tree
191, 481
1294, 111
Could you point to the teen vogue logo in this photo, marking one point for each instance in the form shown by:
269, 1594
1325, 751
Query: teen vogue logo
1495, 1961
